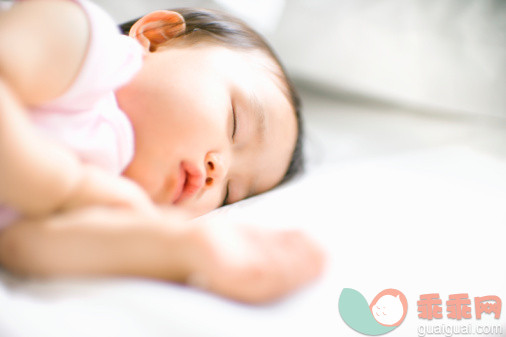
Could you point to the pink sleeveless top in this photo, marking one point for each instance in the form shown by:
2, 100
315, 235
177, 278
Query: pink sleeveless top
86, 118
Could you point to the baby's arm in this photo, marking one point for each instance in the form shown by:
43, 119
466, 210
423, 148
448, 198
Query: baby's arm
43, 44
35, 175
38, 176
243, 263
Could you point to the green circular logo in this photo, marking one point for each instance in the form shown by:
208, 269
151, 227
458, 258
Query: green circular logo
385, 313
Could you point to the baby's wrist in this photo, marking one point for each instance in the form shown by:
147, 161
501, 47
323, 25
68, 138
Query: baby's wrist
195, 255
75, 196
180, 258
98, 187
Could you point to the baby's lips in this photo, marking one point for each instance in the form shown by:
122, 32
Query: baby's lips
194, 181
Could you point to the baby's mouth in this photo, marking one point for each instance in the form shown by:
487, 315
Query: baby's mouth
190, 181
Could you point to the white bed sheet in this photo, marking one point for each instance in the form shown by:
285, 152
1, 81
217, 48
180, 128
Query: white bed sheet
397, 199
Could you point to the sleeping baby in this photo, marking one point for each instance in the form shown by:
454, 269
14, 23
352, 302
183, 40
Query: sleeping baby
112, 144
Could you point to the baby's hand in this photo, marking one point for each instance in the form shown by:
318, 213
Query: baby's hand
98, 187
250, 264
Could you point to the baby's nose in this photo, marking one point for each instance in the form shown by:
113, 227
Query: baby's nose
215, 168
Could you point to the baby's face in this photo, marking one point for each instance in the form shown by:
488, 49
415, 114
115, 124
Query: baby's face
210, 124
388, 310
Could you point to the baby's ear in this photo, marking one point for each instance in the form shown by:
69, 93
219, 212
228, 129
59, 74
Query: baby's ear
155, 28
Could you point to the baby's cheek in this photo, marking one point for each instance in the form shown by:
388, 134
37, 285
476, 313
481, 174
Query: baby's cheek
201, 205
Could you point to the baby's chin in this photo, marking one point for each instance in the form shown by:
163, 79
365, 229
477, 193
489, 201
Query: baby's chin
194, 209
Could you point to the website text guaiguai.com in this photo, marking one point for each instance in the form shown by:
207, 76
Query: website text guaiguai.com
448, 330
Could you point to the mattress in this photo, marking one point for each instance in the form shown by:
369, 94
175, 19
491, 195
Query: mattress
398, 199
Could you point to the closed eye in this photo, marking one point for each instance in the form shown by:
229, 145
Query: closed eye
234, 115
234, 129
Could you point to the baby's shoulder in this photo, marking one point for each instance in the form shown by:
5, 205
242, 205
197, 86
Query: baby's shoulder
110, 61
47, 43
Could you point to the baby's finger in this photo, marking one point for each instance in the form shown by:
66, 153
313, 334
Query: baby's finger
313, 256
301, 260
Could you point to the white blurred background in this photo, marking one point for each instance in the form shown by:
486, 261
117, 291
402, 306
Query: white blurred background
405, 113
382, 77
442, 55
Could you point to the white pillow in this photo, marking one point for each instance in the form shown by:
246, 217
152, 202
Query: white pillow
443, 54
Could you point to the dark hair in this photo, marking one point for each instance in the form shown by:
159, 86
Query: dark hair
211, 25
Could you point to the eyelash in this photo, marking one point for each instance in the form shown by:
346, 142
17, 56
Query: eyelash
235, 123
224, 203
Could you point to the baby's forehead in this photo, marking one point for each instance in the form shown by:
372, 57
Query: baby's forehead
249, 69
252, 61
252, 56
